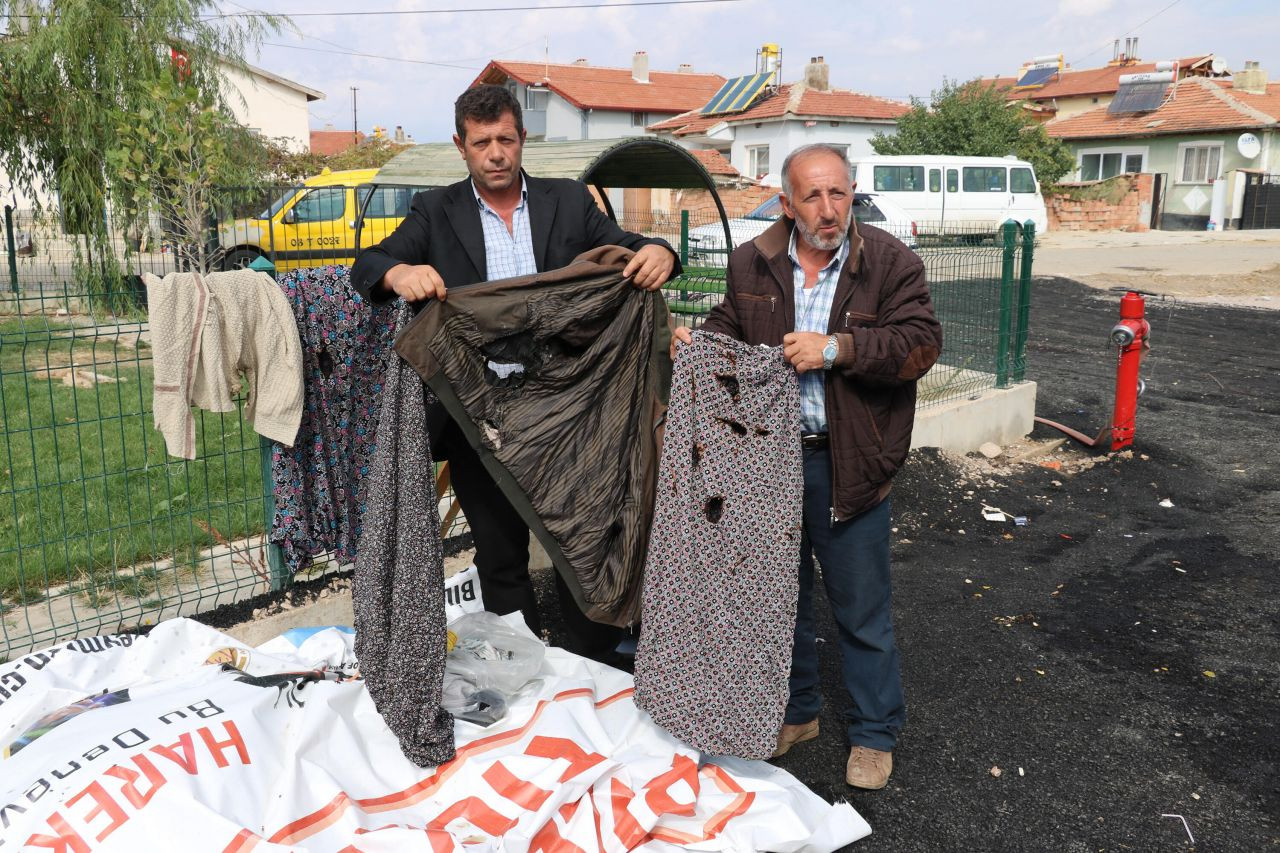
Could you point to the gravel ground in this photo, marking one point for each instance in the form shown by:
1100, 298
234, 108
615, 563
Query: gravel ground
1071, 681
1116, 659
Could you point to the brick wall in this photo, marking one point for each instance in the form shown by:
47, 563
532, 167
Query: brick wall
1125, 205
736, 200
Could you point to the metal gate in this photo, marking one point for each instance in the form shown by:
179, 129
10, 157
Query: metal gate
1261, 202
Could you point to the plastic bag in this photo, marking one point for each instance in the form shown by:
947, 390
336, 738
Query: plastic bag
491, 654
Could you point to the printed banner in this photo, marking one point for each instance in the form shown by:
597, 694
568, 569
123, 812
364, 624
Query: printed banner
462, 594
186, 739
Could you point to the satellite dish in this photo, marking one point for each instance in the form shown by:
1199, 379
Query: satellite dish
1248, 146
1218, 66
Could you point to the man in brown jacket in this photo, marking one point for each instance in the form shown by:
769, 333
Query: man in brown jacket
851, 309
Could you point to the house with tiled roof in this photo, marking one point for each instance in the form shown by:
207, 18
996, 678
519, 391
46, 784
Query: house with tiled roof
582, 101
1050, 90
781, 118
1192, 133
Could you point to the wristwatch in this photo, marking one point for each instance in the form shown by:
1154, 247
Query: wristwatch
829, 353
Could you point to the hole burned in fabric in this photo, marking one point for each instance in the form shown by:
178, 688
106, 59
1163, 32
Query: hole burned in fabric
762, 432
698, 450
491, 434
326, 363
509, 360
738, 429
729, 382
714, 508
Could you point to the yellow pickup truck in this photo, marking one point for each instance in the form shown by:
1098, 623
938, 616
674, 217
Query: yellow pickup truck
315, 223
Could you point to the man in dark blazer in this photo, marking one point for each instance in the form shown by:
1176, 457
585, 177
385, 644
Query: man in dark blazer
499, 223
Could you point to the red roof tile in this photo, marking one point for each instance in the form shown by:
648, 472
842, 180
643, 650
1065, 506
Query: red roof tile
1195, 105
714, 162
329, 142
834, 103
1088, 81
593, 87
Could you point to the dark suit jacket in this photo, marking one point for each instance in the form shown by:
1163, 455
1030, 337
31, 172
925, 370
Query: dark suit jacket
443, 229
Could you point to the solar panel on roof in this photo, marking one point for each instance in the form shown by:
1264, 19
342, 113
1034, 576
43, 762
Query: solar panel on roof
738, 94
1138, 98
1035, 77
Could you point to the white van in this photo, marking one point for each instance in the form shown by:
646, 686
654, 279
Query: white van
955, 193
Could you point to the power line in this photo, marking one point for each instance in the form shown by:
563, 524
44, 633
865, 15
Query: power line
1126, 32
370, 55
401, 12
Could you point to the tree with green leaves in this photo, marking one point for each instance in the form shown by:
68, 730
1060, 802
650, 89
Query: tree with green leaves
371, 153
74, 73
976, 119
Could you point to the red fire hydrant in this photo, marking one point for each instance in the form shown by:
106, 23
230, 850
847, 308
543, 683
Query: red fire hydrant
1132, 335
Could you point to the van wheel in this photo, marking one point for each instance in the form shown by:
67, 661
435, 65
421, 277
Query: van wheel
240, 259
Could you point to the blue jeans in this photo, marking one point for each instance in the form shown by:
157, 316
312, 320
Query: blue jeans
854, 555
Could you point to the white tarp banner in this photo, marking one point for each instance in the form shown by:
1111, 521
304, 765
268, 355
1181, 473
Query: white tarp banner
187, 739
462, 593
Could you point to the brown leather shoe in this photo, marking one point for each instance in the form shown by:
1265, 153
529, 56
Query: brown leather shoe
792, 735
868, 768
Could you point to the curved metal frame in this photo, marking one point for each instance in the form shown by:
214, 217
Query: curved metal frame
595, 156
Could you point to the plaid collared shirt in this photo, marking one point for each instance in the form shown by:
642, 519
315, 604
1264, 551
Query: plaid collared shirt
813, 310
507, 253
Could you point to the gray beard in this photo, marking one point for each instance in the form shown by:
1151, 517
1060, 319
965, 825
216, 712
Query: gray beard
812, 238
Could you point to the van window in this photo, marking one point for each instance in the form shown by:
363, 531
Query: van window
1022, 181
899, 179
280, 202
953, 181
984, 179
321, 205
935, 180
386, 201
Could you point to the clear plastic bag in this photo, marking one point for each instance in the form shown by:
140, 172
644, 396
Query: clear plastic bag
491, 654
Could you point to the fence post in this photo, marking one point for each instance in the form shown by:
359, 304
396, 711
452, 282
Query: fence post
280, 576
1004, 333
13, 248
684, 248
1024, 300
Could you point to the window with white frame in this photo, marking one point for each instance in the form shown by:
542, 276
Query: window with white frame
1098, 164
1198, 162
757, 160
637, 119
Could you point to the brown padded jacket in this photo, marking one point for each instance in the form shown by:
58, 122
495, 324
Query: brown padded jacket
888, 337
560, 381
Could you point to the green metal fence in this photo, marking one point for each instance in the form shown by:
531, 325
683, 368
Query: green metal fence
100, 529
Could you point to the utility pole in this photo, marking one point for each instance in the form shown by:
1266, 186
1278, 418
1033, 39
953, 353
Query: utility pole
355, 127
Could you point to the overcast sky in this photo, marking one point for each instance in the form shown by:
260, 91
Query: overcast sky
892, 49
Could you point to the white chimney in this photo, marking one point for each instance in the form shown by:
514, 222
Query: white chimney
580, 62
817, 76
399, 137
640, 67
684, 68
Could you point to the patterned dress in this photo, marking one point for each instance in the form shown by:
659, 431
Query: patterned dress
319, 483
720, 581
397, 594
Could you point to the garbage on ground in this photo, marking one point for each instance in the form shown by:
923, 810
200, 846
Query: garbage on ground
1185, 825
489, 662
1166, 503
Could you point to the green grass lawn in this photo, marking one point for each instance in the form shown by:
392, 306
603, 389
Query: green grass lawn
87, 489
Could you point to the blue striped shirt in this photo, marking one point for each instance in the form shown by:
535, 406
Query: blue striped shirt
507, 253
813, 311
